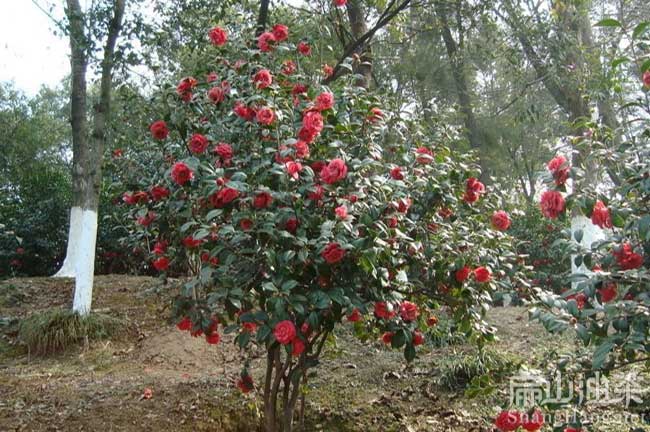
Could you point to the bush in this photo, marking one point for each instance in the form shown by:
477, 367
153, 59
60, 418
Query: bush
457, 371
57, 330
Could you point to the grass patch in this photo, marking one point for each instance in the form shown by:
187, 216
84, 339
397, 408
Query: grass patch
457, 371
56, 330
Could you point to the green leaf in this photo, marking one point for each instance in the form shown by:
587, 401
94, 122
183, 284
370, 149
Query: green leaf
608, 22
578, 235
600, 354
640, 28
398, 339
263, 333
409, 352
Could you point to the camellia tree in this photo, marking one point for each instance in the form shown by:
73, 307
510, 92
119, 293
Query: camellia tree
297, 206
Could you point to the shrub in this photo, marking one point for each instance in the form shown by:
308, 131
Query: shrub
56, 330
297, 207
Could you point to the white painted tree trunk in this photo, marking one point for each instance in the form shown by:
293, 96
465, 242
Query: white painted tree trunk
590, 234
84, 266
68, 267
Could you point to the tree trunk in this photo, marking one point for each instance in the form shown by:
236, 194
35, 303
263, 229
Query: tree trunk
358, 27
262, 17
87, 152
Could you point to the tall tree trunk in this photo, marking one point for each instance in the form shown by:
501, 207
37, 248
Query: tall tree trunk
262, 17
358, 27
87, 150
457, 61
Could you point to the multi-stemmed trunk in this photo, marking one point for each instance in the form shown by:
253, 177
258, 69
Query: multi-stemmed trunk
87, 151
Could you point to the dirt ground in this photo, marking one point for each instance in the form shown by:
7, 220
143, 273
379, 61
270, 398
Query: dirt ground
359, 387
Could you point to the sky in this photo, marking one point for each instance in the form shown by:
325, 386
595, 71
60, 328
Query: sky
30, 54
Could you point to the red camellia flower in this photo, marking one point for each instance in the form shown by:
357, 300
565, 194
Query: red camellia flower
408, 311
317, 193
375, 115
500, 220
312, 125
608, 292
396, 173
297, 347
341, 212
161, 264
245, 224
288, 67
403, 205
424, 155
482, 274
580, 299
552, 204
243, 111
393, 222
245, 383
266, 41
462, 274
147, 219
191, 243
181, 173
198, 143
117, 153
159, 130
334, 171
626, 258
213, 338
249, 327
646, 78
224, 151
218, 36
508, 421
383, 311
206, 258
280, 32
304, 48
473, 190
262, 200
185, 324
184, 88
216, 94
340, 3
211, 77
418, 338
328, 70
263, 79
160, 247
333, 253
284, 332
293, 169
600, 215
223, 197
159, 193
387, 337
265, 116
532, 422
292, 225
559, 168
354, 316
302, 149
324, 101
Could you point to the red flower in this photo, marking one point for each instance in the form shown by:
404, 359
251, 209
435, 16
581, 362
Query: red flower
532, 422
159, 130
418, 338
580, 299
280, 32
403, 205
216, 94
324, 101
340, 3
263, 79
393, 222
646, 78
432, 320
265, 41
500, 220
508, 421
341, 212
297, 347
159, 193
408, 311
211, 77
608, 292
160, 247
383, 310
262, 200
482, 274
243, 111
147, 219
317, 193
147, 393
571, 429
473, 190
198, 143
387, 337
218, 36
375, 115
245, 383
191, 243
284, 332
626, 258
245, 224
161, 264
299, 89
552, 204
223, 197
206, 258
265, 116
462, 274
181, 173
117, 153
600, 215
424, 155
292, 225
354, 316
312, 125
224, 151
185, 324
213, 338
249, 327
293, 169
559, 168
302, 149
334, 171
333, 253
328, 70
184, 88
396, 173
304, 48
288, 67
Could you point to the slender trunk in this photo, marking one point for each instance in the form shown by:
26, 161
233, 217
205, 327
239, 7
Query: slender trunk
358, 27
262, 17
